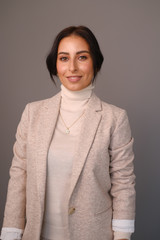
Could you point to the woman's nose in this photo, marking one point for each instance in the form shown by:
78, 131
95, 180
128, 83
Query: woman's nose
73, 65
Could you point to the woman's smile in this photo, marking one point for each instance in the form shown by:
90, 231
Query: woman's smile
74, 78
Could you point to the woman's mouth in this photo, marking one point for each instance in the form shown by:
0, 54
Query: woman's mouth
74, 78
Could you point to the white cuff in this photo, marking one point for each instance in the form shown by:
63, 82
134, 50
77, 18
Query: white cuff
119, 225
11, 234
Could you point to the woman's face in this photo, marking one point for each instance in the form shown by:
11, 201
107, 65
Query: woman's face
74, 63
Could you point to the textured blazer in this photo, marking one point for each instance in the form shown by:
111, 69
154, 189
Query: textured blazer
102, 181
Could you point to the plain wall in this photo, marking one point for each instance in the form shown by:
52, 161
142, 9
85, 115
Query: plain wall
129, 35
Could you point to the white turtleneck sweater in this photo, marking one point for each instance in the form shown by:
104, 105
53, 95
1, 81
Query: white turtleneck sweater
59, 169
60, 159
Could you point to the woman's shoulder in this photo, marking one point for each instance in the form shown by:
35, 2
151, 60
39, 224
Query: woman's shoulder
113, 113
110, 111
106, 106
44, 103
40, 107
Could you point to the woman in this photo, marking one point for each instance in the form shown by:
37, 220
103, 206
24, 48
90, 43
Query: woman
72, 173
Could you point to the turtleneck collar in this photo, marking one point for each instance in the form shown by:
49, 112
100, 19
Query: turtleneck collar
80, 95
75, 101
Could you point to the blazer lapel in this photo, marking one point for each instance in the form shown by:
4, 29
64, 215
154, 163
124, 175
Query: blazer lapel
87, 135
47, 125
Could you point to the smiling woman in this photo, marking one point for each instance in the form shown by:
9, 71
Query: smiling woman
72, 175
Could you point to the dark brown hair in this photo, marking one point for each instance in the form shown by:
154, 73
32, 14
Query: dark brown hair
83, 32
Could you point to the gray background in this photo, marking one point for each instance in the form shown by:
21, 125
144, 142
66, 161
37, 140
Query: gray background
129, 36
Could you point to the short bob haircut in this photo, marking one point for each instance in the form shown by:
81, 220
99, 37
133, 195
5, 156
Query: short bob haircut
83, 32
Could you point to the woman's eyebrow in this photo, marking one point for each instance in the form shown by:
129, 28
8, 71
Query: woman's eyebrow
83, 51
79, 52
63, 53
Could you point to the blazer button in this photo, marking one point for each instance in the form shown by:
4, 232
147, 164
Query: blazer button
71, 210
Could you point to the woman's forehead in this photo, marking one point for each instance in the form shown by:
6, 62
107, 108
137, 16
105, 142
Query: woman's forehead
73, 43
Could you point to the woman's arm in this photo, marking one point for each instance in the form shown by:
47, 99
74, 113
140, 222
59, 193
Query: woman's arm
14, 216
122, 178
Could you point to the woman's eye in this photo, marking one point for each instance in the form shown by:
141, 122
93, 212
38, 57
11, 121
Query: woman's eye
82, 58
63, 59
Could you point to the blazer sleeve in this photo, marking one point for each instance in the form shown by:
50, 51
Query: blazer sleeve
14, 215
122, 169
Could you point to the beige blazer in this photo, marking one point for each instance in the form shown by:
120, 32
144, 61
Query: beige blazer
102, 182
